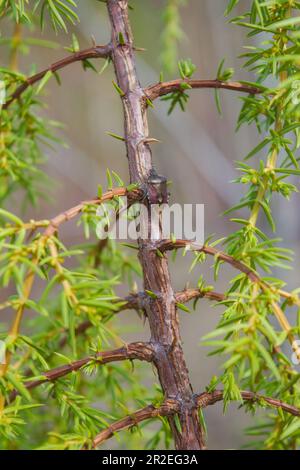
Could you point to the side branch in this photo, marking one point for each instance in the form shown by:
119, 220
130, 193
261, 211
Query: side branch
194, 294
164, 88
206, 399
168, 408
94, 52
74, 211
138, 351
167, 245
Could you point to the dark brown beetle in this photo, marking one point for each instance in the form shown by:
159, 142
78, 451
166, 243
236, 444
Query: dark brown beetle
157, 191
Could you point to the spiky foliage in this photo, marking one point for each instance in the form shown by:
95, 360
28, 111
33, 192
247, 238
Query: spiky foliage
74, 312
253, 333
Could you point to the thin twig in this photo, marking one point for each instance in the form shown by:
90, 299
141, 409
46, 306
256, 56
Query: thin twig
164, 88
90, 53
167, 245
168, 408
139, 351
161, 311
192, 294
206, 399
74, 211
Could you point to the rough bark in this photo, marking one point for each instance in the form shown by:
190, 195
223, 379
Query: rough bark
161, 311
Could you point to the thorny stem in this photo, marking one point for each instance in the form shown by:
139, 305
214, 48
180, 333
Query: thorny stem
168, 408
161, 312
132, 351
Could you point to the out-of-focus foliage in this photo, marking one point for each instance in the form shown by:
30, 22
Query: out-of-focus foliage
180, 97
172, 34
60, 12
78, 284
252, 341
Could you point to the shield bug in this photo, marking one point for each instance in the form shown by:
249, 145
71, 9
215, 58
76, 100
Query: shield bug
157, 192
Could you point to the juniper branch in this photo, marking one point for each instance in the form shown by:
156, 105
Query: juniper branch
46, 238
74, 211
134, 351
90, 53
168, 408
167, 245
161, 312
207, 399
164, 88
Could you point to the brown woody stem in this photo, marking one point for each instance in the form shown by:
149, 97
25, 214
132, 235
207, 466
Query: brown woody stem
138, 351
168, 408
193, 294
206, 399
91, 53
161, 311
164, 88
169, 245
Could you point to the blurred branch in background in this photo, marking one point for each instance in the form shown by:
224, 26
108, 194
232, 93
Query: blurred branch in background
172, 34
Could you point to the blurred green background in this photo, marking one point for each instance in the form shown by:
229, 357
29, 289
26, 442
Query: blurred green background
198, 153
